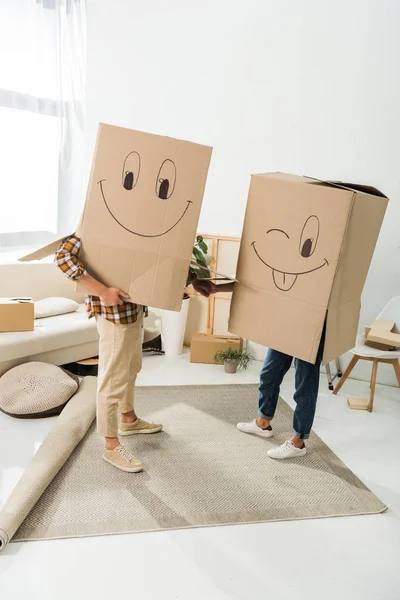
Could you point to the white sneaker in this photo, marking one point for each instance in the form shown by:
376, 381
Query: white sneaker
287, 450
252, 427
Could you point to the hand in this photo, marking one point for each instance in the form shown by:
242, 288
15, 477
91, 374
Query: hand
205, 287
113, 296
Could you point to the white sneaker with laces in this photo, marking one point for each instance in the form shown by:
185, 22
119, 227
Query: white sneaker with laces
287, 450
252, 427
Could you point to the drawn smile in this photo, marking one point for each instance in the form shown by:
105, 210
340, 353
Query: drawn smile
285, 281
189, 202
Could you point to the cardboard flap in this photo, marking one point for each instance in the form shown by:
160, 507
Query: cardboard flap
15, 300
43, 252
306, 179
356, 187
351, 187
52, 247
219, 275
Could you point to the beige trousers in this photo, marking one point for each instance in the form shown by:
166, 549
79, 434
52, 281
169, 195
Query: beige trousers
120, 360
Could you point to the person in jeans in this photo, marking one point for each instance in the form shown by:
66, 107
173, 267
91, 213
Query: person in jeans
119, 323
275, 368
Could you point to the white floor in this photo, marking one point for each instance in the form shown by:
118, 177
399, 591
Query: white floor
348, 558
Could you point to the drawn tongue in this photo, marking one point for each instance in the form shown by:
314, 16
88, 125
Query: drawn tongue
283, 281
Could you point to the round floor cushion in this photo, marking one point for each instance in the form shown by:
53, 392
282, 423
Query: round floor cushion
36, 389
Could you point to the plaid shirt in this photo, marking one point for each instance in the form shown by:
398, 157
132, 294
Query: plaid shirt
67, 259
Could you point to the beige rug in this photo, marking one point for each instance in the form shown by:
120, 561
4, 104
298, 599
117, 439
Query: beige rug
65, 435
201, 471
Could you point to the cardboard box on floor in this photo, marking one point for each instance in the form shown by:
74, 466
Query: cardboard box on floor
16, 314
204, 347
140, 217
305, 253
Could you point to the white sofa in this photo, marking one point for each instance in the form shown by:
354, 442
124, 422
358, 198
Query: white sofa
60, 339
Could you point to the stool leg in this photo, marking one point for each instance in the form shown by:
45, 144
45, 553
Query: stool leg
372, 386
346, 374
396, 366
329, 376
338, 368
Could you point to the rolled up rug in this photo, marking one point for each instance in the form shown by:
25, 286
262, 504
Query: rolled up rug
69, 429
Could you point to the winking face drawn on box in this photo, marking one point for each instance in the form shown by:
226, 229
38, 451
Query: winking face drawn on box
305, 252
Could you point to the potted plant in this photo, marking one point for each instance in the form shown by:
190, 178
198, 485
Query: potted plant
174, 323
234, 359
200, 270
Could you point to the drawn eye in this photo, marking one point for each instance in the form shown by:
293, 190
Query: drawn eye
166, 178
309, 237
131, 170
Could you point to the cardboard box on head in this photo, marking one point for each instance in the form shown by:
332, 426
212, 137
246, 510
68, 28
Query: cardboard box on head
305, 253
141, 213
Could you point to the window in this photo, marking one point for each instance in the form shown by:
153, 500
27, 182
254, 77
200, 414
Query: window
41, 128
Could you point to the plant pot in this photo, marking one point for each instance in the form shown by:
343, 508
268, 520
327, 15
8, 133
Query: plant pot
173, 325
230, 366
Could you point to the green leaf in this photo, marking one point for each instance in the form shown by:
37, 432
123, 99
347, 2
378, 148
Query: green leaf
203, 246
196, 252
203, 274
202, 263
199, 257
244, 358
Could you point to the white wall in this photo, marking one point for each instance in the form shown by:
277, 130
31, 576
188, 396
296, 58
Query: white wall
304, 86
36, 280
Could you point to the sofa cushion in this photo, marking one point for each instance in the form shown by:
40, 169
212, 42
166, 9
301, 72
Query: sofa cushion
51, 333
50, 307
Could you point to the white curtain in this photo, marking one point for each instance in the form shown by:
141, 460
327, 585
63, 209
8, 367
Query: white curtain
42, 95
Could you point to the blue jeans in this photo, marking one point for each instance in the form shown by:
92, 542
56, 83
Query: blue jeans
275, 368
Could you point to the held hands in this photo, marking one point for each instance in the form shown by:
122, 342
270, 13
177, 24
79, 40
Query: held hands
112, 296
205, 287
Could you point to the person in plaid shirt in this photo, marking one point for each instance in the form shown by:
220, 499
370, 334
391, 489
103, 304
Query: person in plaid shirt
120, 324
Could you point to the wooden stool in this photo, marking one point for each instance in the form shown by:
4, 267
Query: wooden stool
82, 368
367, 403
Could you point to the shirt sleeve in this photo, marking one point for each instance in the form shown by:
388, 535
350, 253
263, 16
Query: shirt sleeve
67, 258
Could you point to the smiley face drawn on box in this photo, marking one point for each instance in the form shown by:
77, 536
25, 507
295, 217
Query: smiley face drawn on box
141, 213
150, 186
307, 247
164, 188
